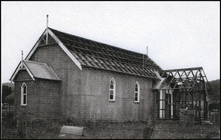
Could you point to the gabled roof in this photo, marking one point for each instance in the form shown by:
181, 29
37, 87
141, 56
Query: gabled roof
36, 70
88, 53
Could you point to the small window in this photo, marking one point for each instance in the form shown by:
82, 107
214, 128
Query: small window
24, 94
112, 88
137, 92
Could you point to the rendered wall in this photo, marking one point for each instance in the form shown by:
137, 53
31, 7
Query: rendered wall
42, 98
85, 94
95, 97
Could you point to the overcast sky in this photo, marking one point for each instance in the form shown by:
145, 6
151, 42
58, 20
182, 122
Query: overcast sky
178, 34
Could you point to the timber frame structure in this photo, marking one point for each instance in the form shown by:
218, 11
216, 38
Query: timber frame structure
183, 89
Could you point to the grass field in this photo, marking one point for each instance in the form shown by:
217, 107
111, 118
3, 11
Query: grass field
163, 129
174, 130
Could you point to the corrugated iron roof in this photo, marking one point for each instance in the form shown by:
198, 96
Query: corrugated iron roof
102, 56
41, 70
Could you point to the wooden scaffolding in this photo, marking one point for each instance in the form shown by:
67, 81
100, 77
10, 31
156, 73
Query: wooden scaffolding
186, 89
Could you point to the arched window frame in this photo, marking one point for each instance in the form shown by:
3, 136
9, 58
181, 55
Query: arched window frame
24, 92
112, 90
137, 92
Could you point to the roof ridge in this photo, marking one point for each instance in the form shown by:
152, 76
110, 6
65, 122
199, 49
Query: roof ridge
182, 69
98, 42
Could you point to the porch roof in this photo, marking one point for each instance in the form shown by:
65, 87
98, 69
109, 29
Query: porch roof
41, 70
36, 70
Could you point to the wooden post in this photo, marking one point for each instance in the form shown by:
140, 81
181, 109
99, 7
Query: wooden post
199, 104
185, 98
26, 125
192, 99
161, 104
171, 104
204, 98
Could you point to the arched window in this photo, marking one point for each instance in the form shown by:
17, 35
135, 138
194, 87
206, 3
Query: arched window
23, 94
137, 92
112, 90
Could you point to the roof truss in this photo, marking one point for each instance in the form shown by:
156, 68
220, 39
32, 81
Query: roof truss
191, 79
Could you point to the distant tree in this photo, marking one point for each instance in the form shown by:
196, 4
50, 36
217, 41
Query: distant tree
215, 91
6, 90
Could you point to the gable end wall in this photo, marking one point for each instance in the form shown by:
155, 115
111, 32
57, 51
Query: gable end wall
69, 74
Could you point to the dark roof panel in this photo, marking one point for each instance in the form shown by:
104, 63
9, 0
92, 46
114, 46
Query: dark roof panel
99, 55
41, 70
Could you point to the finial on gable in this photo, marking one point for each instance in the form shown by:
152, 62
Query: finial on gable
47, 32
47, 20
21, 55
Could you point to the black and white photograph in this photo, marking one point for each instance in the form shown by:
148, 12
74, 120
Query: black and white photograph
110, 69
